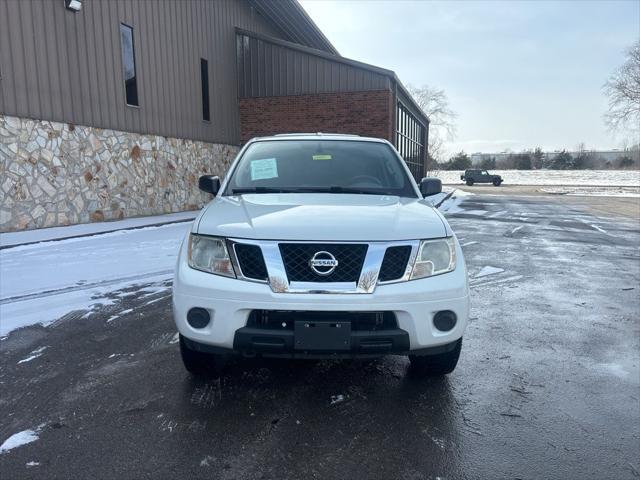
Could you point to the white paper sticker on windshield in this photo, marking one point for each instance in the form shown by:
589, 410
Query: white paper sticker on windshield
264, 168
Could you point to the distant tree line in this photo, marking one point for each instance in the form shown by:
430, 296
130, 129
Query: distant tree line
536, 159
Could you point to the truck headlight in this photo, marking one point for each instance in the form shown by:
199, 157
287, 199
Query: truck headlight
434, 257
210, 254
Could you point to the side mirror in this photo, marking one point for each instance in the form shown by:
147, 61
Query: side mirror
430, 186
209, 184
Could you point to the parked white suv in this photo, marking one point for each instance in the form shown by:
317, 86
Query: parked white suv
320, 246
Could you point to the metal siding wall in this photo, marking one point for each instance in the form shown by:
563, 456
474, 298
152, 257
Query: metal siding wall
65, 66
294, 72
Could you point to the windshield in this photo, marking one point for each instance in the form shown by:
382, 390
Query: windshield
331, 166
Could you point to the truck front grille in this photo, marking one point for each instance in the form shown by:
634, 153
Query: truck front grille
251, 261
395, 263
297, 257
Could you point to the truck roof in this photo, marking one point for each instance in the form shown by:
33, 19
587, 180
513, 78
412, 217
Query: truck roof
319, 136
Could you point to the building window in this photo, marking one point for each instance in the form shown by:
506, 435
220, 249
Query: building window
129, 65
204, 79
410, 135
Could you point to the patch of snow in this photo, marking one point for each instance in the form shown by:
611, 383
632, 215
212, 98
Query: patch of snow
468, 243
157, 299
594, 191
32, 464
123, 312
438, 197
475, 283
19, 439
152, 290
598, 228
488, 270
35, 354
48, 234
45, 310
337, 399
174, 339
452, 204
478, 213
51, 279
629, 178
81, 262
605, 194
616, 369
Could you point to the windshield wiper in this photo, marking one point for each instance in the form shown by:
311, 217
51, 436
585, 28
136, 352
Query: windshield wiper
331, 189
240, 191
338, 189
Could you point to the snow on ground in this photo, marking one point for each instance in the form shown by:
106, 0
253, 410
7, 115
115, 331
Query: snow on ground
97, 260
628, 178
33, 355
437, 199
20, 438
594, 191
46, 234
452, 204
488, 270
42, 282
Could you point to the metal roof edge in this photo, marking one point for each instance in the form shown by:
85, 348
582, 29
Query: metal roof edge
316, 52
291, 18
308, 18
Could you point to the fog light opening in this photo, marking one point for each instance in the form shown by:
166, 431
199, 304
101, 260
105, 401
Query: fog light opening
198, 317
445, 320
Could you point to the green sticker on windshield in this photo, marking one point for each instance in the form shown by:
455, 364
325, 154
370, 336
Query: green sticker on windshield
322, 157
264, 168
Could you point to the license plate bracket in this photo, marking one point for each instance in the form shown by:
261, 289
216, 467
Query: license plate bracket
330, 336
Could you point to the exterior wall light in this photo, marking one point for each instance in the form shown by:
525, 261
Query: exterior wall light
73, 5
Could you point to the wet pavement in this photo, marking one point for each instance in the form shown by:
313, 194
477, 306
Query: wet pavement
548, 384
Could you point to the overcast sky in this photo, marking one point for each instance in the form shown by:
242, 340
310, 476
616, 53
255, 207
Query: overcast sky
519, 74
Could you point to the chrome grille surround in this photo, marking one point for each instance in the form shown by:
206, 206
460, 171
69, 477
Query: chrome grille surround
367, 282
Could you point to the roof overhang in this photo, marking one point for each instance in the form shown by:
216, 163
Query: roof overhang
294, 22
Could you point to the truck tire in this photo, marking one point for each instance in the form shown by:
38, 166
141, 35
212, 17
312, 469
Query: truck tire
497, 182
469, 182
200, 363
436, 365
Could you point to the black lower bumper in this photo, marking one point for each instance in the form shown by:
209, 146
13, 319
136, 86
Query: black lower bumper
281, 344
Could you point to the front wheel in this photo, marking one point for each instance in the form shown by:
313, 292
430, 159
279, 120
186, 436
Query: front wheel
497, 182
469, 182
436, 365
200, 363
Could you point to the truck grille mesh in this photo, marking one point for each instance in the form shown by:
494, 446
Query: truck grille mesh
251, 261
296, 257
395, 263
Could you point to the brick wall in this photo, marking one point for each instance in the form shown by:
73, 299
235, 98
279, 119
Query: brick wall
365, 113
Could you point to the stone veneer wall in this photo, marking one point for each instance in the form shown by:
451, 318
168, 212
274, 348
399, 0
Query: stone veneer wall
55, 174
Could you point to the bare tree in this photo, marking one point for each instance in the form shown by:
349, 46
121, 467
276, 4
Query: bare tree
623, 91
435, 104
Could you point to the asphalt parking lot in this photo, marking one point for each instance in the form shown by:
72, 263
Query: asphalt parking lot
548, 385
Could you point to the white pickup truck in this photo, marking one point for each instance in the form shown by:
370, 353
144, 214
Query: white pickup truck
320, 246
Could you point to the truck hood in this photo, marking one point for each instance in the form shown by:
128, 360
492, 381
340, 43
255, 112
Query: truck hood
320, 217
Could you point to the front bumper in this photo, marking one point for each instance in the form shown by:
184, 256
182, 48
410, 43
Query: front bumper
230, 301
244, 345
